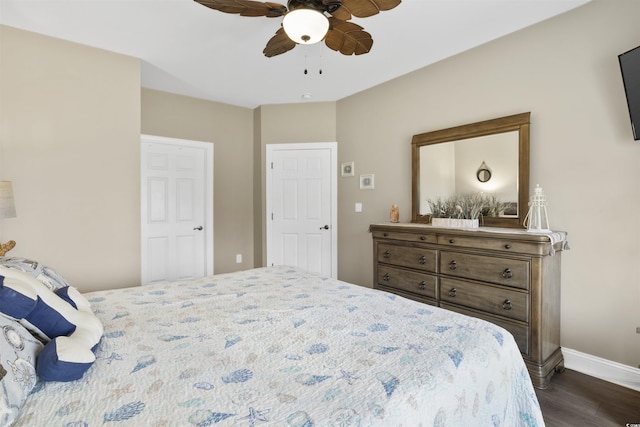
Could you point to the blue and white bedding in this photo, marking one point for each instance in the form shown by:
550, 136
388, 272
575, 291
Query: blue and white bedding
279, 347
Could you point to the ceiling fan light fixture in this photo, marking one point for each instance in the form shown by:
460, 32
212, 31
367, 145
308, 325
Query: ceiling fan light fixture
305, 26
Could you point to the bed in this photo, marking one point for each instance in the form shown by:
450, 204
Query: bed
279, 347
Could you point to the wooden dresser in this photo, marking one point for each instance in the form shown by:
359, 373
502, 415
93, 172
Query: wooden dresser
508, 277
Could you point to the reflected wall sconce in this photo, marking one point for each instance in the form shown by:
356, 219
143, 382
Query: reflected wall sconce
7, 210
483, 173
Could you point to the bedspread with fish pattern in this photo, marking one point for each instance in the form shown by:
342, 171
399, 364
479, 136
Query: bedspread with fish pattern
278, 347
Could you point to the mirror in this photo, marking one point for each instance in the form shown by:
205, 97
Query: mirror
445, 162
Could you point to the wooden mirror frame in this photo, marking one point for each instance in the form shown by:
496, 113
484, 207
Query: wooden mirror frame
518, 122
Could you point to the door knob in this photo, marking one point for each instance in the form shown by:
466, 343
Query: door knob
326, 227
199, 228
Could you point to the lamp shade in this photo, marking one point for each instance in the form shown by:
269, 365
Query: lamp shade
7, 205
305, 26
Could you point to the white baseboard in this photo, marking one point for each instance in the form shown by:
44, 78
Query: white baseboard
614, 372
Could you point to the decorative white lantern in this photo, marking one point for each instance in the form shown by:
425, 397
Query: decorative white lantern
536, 219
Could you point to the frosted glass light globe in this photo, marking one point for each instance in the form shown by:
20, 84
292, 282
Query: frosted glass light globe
305, 26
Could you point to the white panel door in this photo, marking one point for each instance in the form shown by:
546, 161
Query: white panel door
174, 210
301, 207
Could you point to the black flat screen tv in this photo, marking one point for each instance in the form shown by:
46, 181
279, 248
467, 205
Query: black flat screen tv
630, 67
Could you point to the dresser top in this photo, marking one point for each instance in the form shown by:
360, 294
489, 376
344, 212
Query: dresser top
553, 237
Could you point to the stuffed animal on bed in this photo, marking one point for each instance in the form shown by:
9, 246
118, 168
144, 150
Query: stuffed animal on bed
62, 317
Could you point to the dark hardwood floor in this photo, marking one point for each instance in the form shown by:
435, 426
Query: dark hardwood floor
574, 399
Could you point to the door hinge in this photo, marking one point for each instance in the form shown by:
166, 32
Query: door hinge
271, 165
272, 216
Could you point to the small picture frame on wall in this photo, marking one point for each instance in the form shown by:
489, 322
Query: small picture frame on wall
367, 182
348, 169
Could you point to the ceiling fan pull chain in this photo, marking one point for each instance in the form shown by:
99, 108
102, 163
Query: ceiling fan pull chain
305, 59
321, 50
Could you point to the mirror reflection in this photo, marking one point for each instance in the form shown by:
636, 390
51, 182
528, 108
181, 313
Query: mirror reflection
452, 168
489, 158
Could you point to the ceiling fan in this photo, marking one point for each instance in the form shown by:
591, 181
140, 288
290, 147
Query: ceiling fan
311, 21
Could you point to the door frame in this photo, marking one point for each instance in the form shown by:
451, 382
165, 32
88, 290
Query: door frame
333, 155
208, 191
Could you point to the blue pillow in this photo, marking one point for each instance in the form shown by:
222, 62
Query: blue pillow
32, 310
63, 317
64, 359
64, 294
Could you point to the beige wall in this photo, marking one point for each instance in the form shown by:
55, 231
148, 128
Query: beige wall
69, 141
565, 71
230, 129
239, 136
304, 122
283, 124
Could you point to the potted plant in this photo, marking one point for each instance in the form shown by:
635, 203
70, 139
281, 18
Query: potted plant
463, 210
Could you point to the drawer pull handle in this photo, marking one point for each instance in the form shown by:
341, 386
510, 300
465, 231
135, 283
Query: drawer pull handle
506, 305
453, 265
423, 238
386, 255
451, 241
386, 277
507, 274
507, 246
385, 234
422, 260
422, 286
452, 292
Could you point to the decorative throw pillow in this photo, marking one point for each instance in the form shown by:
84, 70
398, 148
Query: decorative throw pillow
47, 275
64, 317
35, 306
18, 351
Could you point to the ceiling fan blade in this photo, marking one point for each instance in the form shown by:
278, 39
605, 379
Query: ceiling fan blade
348, 38
246, 7
280, 43
363, 8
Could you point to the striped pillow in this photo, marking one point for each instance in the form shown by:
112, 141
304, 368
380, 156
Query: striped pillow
64, 318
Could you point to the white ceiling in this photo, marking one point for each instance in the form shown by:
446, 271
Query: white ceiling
189, 49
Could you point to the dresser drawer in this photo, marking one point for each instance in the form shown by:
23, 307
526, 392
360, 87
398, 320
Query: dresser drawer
412, 281
503, 271
520, 332
492, 299
406, 237
505, 245
407, 256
